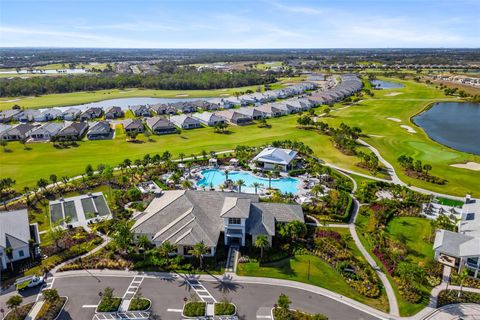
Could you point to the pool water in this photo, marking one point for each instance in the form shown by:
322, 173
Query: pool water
215, 177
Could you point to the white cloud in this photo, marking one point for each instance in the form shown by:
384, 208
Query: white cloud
296, 8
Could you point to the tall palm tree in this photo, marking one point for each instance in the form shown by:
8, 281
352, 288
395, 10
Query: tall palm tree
240, 183
256, 185
54, 179
462, 275
143, 242
261, 242
198, 251
226, 174
270, 176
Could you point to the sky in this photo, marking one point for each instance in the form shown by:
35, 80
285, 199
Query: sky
240, 23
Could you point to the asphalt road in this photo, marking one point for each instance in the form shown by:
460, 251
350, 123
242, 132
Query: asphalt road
167, 295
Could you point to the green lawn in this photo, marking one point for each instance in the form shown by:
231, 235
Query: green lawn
321, 274
415, 230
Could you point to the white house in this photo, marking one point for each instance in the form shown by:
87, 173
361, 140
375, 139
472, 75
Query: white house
18, 238
270, 158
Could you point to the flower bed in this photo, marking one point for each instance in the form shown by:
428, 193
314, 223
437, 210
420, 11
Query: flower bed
225, 309
139, 304
451, 296
99, 260
286, 314
51, 310
22, 312
194, 309
109, 305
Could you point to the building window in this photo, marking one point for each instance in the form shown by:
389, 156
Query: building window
20, 253
234, 221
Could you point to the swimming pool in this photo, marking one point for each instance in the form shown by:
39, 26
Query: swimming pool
216, 177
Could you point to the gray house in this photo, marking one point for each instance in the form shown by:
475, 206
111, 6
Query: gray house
73, 131
270, 110
52, 114
253, 113
208, 118
188, 217
91, 113
160, 125
140, 111
18, 238
7, 115
163, 109
46, 131
30, 115
235, 117
185, 122
71, 114
100, 130
18, 132
133, 125
114, 112
461, 250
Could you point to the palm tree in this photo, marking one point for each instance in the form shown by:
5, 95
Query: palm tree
186, 184
240, 183
256, 185
26, 191
143, 242
261, 242
166, 248
53, 179
461, 278
122, 236
13, 303
270, 176
226, 174
198, 251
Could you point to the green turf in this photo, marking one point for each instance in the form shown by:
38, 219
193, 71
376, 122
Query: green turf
321, 274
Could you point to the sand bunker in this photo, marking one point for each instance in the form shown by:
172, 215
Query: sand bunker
408, 128
181, 95
376, 136
224, 95
392, 94
14, 100
395, 119
469, 165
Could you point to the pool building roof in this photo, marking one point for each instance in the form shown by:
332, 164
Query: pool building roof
276, 156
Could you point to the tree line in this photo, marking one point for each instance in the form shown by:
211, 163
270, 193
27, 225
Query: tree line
181, 79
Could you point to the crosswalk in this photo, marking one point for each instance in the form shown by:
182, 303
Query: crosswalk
201, 291
130, 292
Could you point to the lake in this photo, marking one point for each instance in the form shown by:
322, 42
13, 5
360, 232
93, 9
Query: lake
381, 84
124, 103
454, 124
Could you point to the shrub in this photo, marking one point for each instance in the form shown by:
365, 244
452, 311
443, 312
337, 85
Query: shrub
22, 312
139, 304
194, 309
224, 309
451, 296
109, 303
296, 172
51, 309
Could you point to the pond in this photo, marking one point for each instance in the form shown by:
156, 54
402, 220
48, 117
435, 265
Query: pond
381, 84
216, 177
124, 103
454, 124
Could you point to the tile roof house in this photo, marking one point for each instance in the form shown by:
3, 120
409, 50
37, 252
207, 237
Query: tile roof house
91, 113
72, 131
100, 130
185, 122
270, 157
114, 112
140, 111
160, 125
46, 131
18, 132
18, 238
234, 117
208, 118
133, 125
462, 249
71, 114
188, 217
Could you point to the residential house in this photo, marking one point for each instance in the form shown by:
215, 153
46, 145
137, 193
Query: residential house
140, 111
71, 114
235, 117
52, 114
3, 128
184, 107
188, 217
208, 118
114, 113
91, 113
18, 238
133, 125
160, 125
73, 131
185, 122
30, 115
285, 108
270, 158
100, 130
461, 250
46, 131
18, 132
7, 115
161, 109
271, 110
253, 113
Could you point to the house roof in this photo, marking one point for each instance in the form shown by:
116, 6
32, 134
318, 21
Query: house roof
100, 127
159, 122
50, 127
20, 129
275, 156
14, 229
183, 119
456, 244
74, 127
132, 123
187, 217
208, 117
